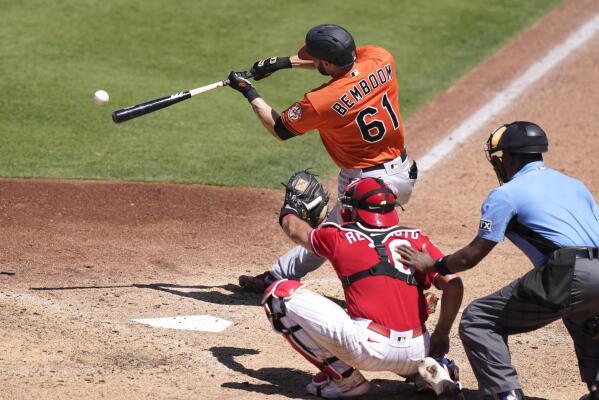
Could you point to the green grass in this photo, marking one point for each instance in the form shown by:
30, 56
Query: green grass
55, 54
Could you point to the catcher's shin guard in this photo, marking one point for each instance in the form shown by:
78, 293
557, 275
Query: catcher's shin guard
273, 301
280, 291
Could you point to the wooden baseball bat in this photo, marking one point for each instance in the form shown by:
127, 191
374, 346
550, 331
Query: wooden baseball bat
127, 113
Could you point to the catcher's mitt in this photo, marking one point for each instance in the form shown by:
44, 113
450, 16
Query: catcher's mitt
306, 198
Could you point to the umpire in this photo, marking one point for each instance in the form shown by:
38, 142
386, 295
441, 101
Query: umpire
554, 220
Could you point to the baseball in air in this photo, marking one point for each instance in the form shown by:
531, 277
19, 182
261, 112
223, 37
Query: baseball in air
101, 97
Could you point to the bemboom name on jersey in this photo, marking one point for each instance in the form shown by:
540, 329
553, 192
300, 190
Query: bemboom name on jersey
363, 88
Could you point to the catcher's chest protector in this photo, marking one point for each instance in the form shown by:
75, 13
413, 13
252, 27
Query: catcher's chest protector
384, 266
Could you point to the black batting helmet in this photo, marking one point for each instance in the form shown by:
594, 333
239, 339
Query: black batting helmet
331, 43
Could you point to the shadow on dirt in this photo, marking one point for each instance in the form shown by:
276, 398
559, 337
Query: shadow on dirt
206, 293
290, 382
284, 381
236, 296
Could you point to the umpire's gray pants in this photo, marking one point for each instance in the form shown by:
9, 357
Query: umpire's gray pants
487, 323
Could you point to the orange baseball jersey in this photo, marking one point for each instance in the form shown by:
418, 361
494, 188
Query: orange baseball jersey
357, 114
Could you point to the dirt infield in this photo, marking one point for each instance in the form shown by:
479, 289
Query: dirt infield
80, 260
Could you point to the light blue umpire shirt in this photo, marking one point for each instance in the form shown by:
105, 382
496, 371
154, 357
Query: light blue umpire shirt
541, 210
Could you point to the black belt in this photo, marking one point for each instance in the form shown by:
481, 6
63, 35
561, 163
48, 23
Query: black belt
403, 155
588, 252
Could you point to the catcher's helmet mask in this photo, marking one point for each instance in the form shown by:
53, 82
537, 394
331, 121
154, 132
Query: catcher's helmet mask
519, 137
331, 43
373, 202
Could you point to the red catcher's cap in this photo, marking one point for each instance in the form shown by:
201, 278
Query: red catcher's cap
374, 203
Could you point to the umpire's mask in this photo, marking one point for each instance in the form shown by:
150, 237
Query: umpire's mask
496, 160
519, 137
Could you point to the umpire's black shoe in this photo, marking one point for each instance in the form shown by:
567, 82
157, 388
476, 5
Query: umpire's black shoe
258, 283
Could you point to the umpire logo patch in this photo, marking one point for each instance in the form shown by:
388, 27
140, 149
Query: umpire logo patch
485, 225
295, 112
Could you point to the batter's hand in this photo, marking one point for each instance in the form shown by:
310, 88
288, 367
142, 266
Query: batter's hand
419, 260
240, 81
439, 345
263, 68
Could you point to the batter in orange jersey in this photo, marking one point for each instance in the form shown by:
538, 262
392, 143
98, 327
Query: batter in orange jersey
356, 114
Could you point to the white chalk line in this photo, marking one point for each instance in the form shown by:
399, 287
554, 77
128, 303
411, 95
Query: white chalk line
474, 123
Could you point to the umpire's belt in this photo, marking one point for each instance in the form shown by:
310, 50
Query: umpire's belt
403, 155
383, 330
587, 252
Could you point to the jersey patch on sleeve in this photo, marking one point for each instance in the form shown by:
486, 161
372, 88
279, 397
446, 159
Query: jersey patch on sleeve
485, 225
295, 112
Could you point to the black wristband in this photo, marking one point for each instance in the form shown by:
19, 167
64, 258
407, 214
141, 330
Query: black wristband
441, 266
250, 93
284, 62
286, 211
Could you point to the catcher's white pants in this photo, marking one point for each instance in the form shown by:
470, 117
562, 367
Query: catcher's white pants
327, 331
298, 262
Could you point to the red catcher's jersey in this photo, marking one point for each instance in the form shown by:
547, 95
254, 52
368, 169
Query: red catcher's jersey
357, 114
388, 301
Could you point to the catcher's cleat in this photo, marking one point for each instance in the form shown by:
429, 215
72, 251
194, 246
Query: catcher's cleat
438, 379
353, 385
421, 385
258, 283
515, 394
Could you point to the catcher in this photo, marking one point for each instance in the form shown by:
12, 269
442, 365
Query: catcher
384, 326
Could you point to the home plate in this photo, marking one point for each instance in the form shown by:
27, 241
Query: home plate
205, 323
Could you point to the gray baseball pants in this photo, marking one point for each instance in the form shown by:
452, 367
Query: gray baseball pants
488, 322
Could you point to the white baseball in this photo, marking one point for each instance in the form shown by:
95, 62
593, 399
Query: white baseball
101, 97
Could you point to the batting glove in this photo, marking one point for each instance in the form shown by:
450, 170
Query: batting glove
263, 68
240, 82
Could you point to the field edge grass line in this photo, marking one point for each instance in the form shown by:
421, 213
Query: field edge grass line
474, 123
